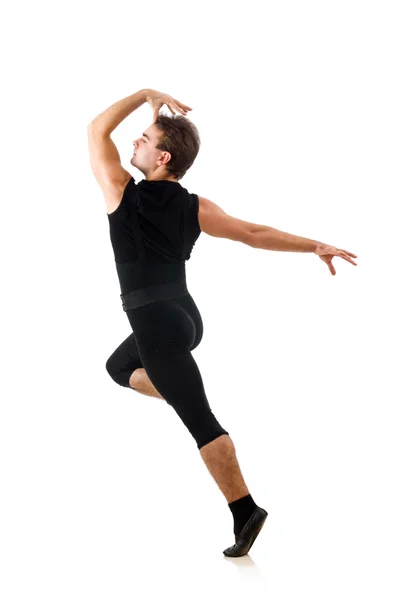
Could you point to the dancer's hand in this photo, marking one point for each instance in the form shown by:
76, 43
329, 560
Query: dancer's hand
157, 99
327, 253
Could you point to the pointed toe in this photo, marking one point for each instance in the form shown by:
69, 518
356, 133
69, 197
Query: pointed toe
248, 534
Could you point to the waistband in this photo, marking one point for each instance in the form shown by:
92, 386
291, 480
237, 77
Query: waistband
154, 293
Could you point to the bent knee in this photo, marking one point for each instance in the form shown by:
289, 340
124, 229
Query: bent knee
111, 368
121, 377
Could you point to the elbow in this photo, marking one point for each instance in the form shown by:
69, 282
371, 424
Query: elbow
251, 239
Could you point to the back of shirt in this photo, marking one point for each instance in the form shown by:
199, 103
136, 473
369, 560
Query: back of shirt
168, 219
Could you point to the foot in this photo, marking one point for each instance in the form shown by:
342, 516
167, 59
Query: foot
248, 534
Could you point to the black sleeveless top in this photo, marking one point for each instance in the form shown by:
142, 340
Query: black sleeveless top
167, 217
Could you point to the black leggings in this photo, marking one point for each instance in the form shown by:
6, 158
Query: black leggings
164, 333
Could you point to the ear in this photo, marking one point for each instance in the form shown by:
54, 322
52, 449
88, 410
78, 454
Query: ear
166, 157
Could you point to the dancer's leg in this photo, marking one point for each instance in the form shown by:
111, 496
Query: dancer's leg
221, 460
124, 361
140, 382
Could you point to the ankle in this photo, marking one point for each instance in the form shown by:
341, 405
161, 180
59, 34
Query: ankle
242, 492
242, 509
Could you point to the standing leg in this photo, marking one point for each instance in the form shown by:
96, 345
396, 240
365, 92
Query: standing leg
165, 333
220, 458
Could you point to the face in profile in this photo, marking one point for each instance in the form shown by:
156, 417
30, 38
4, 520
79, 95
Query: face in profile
147, 158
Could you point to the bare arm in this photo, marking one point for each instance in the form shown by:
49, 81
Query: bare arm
216, 222
269, 238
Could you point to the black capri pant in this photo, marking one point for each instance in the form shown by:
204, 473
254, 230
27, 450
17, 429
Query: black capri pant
164, 334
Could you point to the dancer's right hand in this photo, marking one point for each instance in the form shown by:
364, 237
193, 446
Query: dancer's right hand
157, 99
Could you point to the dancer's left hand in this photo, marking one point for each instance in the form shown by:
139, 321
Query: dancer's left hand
327, 253
157, 99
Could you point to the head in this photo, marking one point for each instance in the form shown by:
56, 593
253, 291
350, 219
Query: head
167, 149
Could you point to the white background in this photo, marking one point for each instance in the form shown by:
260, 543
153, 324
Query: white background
104, 494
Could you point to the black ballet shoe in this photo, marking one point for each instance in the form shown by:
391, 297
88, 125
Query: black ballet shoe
248, 534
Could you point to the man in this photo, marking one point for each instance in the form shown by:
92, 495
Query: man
153, 227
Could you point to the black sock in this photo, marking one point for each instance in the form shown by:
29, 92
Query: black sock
242, 509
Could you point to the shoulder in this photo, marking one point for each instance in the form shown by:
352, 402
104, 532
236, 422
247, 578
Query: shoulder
206, 210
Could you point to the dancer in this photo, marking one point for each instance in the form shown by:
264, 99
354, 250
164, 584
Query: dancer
153, 226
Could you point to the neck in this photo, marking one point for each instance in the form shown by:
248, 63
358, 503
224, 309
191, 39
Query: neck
161, 179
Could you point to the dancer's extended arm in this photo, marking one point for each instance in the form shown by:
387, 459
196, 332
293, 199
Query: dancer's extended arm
216, 222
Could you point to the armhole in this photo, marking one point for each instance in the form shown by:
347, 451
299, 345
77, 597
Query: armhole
196, 203
123, 198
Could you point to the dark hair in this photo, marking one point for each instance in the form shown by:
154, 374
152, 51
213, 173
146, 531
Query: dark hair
181, 139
